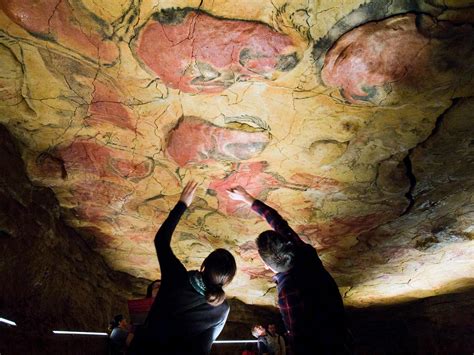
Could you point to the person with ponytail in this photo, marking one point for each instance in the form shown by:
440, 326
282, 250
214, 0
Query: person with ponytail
190, 309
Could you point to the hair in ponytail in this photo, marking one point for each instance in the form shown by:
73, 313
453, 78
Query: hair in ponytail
218, 270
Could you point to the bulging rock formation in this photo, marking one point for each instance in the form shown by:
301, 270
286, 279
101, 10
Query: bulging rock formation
353, 119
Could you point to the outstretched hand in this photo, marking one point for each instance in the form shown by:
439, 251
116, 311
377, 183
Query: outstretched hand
240, 194
187, 195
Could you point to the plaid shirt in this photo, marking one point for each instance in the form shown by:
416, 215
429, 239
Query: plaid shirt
308, 297
289, 297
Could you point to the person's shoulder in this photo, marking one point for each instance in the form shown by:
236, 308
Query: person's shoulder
225, 306
118, 333
307, 255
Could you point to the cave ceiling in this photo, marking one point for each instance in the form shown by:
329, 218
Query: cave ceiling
352, 118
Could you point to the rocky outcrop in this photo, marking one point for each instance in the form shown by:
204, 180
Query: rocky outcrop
51, 277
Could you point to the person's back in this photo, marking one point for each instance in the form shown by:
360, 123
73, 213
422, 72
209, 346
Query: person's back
322, 325
189, 310
117, 341
180, 318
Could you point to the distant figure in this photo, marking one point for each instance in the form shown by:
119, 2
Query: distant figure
259, 332
120, 337
139, 308
153, 288
190, 309
308, 297
276, 342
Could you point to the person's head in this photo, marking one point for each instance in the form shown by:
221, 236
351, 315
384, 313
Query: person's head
118, 321
152, 289
272, 329
276, 251
218, 270
258, 330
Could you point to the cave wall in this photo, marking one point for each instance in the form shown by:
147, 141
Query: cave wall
429, 249
434, 325
53, 279
50, 277
353, 118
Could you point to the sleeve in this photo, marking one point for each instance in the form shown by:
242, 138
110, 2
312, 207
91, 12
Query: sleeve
169, 264
276, 221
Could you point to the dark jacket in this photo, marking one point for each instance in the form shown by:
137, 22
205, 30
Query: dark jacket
180, 320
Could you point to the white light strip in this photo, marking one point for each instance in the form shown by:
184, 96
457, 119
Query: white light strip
9, 322
78, 333
235, 341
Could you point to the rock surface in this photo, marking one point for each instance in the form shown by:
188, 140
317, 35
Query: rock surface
353, 119
50, 275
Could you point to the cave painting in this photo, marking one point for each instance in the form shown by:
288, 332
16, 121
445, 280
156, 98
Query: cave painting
322, 183
107, 107
86, 156
58, 21
198, 53
326, 234
405, 51
251, 175
195, 141
99, 200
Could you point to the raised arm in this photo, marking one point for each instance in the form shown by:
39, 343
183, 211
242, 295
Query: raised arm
169, 263
273, 218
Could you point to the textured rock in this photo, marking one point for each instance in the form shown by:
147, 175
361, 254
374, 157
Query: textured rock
51, 278
354, 119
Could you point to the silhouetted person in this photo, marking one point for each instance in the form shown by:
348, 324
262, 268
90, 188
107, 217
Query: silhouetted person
153, 288
308, 297
120, 337
276, 342
259, 332
190, 309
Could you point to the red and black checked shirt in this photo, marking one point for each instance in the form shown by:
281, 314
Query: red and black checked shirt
308, 297
289, 298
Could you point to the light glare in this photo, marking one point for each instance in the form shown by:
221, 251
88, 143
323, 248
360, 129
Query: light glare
9, 322
235, 341
78, 333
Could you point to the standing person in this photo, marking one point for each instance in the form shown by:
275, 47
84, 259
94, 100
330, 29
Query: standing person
276, 342
259, 332
309, 300
190, 310
153, 288
120, 337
